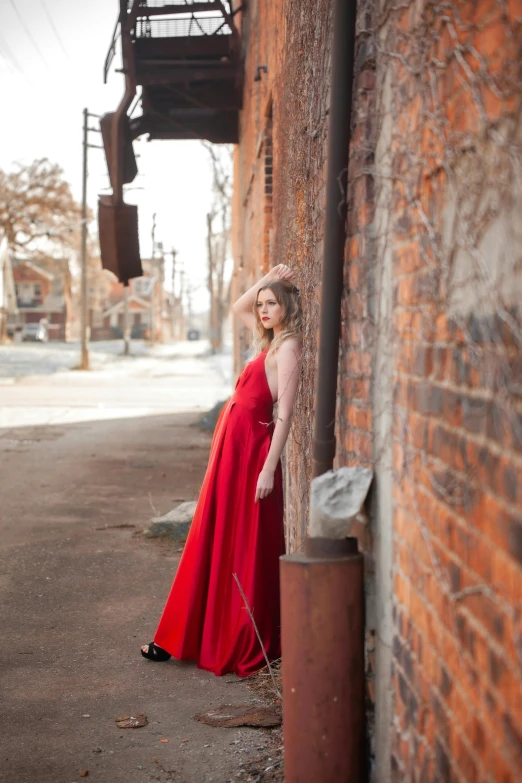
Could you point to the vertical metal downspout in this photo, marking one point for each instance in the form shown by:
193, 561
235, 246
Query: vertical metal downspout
343, 51
127, 22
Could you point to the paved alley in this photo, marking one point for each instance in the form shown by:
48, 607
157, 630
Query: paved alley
86, 460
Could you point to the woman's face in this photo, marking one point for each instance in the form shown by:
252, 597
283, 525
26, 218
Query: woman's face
269, 310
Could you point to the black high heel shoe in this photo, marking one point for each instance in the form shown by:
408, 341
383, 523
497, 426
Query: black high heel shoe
155, 653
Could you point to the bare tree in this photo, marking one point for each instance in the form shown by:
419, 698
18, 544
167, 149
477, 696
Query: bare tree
218, 239
36, 203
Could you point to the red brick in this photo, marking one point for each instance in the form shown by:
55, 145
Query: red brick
455, 448
514, 10
357, 389
490, 41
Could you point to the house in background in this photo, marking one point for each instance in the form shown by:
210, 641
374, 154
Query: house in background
149, 307
42, 297
113, 320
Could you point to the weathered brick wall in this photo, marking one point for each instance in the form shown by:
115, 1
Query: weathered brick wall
450, 81
287, 107
263, 27
300, 127
294, 42
430, 373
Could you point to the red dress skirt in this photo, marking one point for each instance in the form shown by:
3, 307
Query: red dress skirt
205, 618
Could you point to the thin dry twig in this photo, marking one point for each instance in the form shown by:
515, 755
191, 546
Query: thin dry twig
156, 513
243, 596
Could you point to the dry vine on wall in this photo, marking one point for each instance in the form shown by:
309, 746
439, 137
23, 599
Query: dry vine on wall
300, 126
433, 290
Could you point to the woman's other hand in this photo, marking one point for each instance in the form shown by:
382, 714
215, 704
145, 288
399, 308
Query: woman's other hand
281, 272
265, 484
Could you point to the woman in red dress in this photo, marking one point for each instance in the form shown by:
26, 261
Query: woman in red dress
237, 530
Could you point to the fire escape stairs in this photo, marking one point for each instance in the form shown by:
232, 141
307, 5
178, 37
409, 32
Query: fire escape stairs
186, 57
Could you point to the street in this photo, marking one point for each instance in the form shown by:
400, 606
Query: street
87, 458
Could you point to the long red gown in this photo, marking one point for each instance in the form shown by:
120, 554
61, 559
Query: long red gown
205, 618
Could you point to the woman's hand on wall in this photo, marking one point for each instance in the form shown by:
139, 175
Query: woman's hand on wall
281, 272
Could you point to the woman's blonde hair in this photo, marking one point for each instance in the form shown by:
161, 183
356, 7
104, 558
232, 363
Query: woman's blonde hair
287, 295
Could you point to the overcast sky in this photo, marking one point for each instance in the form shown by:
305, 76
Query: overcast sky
52, 54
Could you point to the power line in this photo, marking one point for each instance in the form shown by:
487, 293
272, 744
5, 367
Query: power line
8, 55
57, 34
28, 32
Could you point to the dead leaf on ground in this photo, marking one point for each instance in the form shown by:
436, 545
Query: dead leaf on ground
84, 773
163, 740
131, 721
228, 716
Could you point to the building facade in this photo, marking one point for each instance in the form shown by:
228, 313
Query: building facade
42, 297
150, 306
430, 372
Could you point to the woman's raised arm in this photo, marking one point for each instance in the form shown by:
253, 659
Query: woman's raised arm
244, 305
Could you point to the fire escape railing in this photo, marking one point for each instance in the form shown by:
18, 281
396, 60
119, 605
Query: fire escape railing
111, 54
181, 28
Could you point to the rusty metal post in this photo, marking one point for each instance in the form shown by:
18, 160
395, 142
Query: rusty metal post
322, 621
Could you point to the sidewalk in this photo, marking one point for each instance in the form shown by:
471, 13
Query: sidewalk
80, 590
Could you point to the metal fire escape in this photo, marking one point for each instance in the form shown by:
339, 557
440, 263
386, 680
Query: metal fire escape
185, 55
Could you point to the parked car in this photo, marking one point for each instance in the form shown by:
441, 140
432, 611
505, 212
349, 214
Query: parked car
36, 333
193, 334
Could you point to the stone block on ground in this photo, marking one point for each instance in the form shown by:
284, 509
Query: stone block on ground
175, 525
337, 501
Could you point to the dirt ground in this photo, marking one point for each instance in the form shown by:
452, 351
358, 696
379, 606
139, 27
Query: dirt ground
80, 590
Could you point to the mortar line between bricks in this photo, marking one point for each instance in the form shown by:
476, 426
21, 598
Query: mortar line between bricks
476, 393
476, 438
477, 711
492, 642
440, 463
462, 651
510, 611
454, 723
510, 508
447, 709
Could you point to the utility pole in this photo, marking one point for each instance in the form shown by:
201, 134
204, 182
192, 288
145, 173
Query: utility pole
173, 308
153, 234
84, 361
212, 314
157, 290
153, 282
126, 330
181, 295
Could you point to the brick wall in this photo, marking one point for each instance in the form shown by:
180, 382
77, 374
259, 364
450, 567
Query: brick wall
430, 371
454, 153
288, 106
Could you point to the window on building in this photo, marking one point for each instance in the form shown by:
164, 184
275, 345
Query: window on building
25, 293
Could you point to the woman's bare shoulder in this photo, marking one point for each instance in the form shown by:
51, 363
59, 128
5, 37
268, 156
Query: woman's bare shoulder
291, 348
